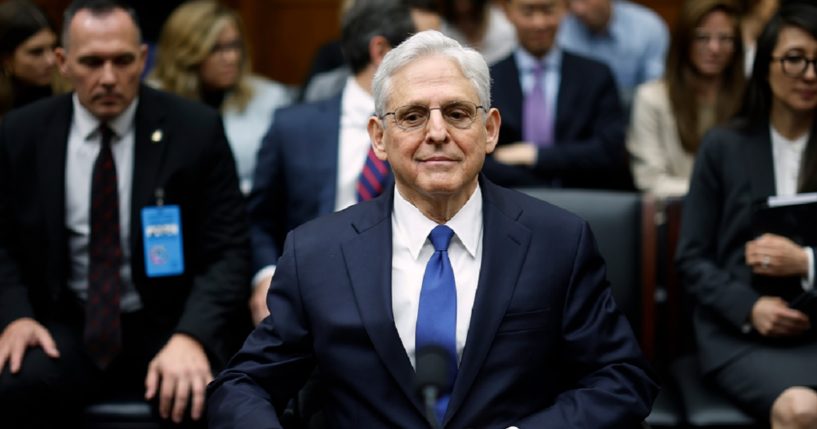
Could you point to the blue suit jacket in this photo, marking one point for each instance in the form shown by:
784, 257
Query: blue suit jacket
295, 175
546, 347
590, 125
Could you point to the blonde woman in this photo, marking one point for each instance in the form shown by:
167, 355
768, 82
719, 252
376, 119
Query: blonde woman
203, 55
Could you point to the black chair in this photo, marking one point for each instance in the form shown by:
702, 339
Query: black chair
704, 406
121, 412
624, 226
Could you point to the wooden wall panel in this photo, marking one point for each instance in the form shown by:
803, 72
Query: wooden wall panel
285, 34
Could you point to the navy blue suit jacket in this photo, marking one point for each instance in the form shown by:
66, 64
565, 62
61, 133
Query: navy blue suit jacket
295, 175
590, 125
546, 347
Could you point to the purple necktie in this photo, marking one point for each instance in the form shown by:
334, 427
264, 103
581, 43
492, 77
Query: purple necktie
103, 336
536, 120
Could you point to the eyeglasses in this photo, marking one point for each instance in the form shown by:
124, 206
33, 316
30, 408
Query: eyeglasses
231, 46
704, 39
459, 114
795, 65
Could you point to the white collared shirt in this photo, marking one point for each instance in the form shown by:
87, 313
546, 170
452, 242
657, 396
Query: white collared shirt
356, 106
787, 155
84, 143
411, 251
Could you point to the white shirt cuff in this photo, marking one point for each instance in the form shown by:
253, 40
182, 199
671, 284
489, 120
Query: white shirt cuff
267, 271
808, 281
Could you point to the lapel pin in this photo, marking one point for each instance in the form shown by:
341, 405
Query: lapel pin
156, 137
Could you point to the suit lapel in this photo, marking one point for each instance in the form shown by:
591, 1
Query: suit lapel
368, 259
329, 138
569, 88
150, 141
51, 158
760, 162
508, 93
505, 243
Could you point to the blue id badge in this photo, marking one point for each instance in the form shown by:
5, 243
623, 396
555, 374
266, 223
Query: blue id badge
162, 236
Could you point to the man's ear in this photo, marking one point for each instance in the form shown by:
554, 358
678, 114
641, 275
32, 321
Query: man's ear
376, 135
378, 48
493, 121
61, 56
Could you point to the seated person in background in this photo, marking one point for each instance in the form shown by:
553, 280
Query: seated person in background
562, 120
203, 55
701, 88
480, 24
312, 160
756, 348
330, 83
27, 64
631, 39
94, 300
447, 259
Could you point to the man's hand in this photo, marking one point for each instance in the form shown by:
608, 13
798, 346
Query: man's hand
774, 255
18, 336
183, 370
521, 153
772, 317
258, 300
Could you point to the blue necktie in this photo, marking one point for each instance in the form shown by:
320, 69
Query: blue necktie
536, 120
437, 313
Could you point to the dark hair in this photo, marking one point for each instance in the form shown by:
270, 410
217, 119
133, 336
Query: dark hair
425, 5
96, 7
19, 20
757, 102
366, 19
680, 73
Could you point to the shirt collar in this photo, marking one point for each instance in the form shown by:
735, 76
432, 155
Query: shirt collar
356, 100
466, 223
87, 124
527, 62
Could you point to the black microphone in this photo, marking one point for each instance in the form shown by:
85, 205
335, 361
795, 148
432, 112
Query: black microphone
431, 377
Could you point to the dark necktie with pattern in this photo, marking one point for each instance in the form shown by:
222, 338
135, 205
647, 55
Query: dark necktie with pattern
103, 335
373, 177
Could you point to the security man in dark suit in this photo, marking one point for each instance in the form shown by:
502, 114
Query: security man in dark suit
123, 240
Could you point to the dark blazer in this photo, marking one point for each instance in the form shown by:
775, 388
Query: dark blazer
547, 346
192, 163
590, 124
733, 171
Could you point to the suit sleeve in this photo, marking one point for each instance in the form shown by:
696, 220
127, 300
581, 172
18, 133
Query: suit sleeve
614, 385
600, 147
14, 301
648, 160
713, 286
220, 283
265, 204
273, 363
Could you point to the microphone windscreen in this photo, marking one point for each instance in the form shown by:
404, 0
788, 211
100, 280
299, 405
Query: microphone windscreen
431, 363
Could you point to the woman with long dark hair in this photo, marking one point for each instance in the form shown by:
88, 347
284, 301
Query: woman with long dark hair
27, 62
701, 88
753, 345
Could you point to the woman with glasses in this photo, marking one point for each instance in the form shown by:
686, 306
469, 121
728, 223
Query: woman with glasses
752, 344
27, 62
203, 55
701, 88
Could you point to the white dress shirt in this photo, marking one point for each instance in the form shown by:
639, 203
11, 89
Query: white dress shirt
84, 143
356, 107
411, 251
787, 156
